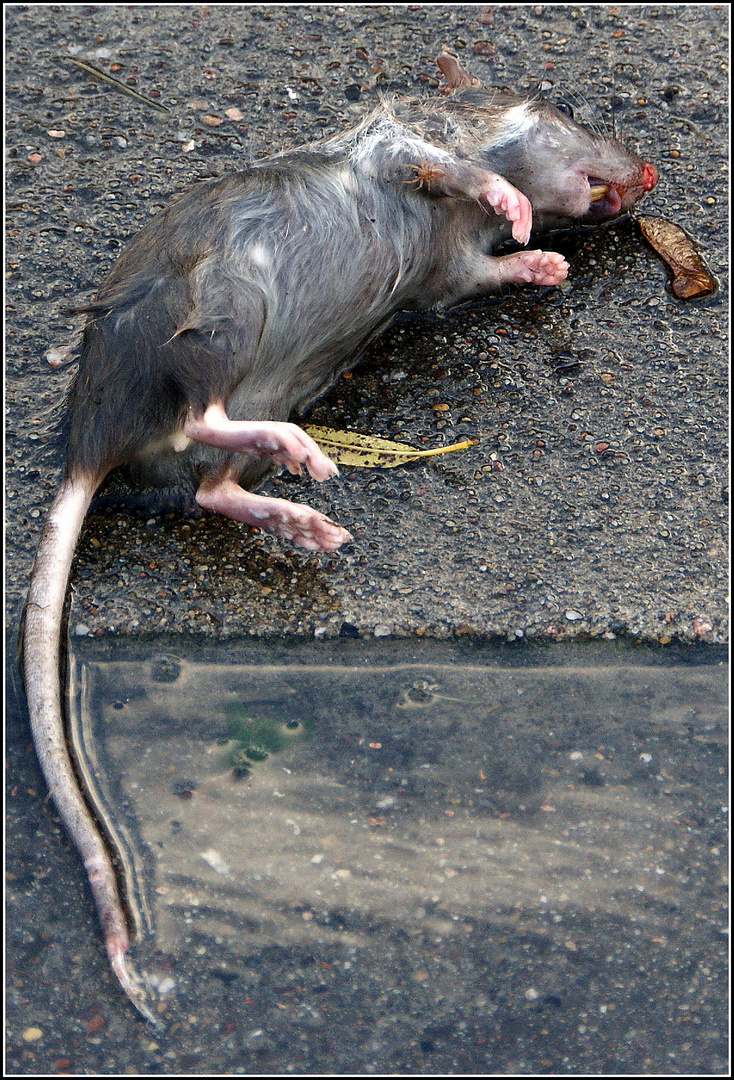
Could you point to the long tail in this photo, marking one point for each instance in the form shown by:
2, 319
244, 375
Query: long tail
41, 663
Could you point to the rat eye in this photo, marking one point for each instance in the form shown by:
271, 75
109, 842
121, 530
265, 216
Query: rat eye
565, 108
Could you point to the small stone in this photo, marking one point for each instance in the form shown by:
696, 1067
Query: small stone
214, 859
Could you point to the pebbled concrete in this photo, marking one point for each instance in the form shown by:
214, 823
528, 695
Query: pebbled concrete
607, 515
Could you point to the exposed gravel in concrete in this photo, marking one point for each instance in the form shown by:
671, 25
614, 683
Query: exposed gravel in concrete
607, 514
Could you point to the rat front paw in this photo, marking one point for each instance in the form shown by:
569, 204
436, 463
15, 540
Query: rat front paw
533, 267
511, 203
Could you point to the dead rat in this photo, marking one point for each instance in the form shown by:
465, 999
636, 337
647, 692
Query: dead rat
239, 305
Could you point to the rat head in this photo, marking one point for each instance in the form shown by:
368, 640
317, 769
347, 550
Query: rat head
565, 170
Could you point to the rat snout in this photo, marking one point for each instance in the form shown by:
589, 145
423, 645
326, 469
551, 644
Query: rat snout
645, 181
609, 198
649, 177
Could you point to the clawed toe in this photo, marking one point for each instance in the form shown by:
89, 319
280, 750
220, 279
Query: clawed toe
311, 530
300, 524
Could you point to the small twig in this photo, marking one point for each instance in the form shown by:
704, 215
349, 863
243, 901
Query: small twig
91, 70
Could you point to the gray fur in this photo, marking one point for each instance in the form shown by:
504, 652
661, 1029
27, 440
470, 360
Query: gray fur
263, 286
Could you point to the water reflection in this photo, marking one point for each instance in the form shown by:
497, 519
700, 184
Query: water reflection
308, 804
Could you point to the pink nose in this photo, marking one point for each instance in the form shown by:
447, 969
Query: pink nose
649, 177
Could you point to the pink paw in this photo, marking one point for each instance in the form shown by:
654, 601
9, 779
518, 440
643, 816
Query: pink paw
289, 445
512, 204
285, 443
533, 267
302, 525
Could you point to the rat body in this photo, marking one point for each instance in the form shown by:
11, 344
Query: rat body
238, 306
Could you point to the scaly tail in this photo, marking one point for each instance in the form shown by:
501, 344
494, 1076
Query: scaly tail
41, 647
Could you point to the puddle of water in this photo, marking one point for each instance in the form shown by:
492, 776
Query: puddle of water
337, 793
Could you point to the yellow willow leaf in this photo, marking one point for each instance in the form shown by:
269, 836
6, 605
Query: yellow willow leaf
371, 452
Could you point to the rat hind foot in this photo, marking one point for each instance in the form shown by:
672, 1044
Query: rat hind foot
286, 444
302, 525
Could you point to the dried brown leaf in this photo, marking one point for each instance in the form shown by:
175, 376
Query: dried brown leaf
691, 276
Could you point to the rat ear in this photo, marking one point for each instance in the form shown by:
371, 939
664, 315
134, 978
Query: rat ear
454, 73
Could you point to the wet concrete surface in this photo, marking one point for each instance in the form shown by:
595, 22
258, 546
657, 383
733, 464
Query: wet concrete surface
381, 857
533, 534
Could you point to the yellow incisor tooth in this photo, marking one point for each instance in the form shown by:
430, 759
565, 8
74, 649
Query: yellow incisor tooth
598, 192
